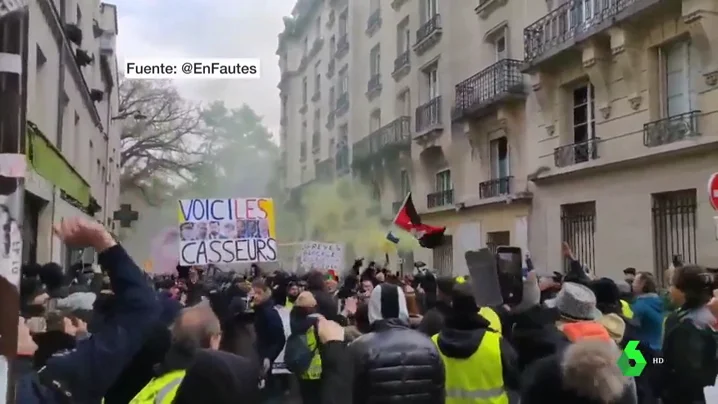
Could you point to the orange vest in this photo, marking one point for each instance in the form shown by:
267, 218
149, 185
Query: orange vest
585, 329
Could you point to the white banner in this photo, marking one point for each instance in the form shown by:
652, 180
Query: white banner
325, 256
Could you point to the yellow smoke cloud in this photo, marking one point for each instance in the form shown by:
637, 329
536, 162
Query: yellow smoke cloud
345, 212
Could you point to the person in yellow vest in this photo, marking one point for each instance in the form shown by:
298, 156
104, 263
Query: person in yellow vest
480, 366
302, 321
195, 328
292, 294
486, 312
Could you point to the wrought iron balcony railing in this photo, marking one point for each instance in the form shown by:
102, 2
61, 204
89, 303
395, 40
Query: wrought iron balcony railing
428, 115
342, 46
501, 80
397, 133
401, 61
576, 153
440, 198
428, 28
495, 187
373, 84
342, 104
373, 23
671, 129
576, 20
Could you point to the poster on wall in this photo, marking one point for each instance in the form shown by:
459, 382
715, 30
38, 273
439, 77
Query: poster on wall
226, 231
316, 255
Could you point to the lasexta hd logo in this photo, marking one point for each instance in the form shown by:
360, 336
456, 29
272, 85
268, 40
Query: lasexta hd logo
632, 362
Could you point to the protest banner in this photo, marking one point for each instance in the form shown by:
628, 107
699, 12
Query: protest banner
226, 231
316, 255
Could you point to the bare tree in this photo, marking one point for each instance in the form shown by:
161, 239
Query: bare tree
162, 141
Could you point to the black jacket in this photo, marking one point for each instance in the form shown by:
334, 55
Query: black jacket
535, 335
270, 331
433, 320
395, 364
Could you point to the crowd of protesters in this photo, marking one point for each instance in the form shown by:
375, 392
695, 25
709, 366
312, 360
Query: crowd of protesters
112, 334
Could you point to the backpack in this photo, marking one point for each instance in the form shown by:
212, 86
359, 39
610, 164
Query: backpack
297, 353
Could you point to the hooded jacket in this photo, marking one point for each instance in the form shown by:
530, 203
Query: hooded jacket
394, 363
84, 371
586, 372
648, 313
270, 330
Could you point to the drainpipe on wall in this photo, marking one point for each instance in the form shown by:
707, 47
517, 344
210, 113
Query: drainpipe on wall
60, 120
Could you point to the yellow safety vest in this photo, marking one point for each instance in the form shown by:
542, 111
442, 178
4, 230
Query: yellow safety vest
494, 321
160, 390
478, 379
626, 309
315, 367
288, 305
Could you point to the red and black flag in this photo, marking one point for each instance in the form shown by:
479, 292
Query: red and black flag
408, 220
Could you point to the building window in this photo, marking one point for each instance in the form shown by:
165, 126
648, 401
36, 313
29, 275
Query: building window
343, 20
404, 103
78, 17
318, 26
578, 229
584, 123
342, 156
375, 61
405, 183
332, 44
332, 98
674, 229
403, 37
375, 120
305, 47
443, 257
431, 82
344, 81
499, 158
495, 239
430, 9
443, 181
676, 71
500, 46
304, 131
317, 119
304, 91
317, 79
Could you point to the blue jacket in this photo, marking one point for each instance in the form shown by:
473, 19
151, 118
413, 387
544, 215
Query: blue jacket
92, 367
270, 331
648, 312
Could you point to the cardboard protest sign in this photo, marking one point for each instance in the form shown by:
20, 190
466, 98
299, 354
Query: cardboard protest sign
484, 278
225, 231
322, 255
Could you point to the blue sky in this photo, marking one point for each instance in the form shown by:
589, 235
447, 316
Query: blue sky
214, 28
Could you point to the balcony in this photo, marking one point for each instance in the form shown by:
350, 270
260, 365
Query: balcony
428, 35
481, 93
316, 142
342, 104
384, 141
570, 24
316, 47
495, 187
576, 153
373, 23
342, 46
428, 116
317, 96
402, 65
672, 129
330, 120
373, 87
440, 199
486, 7
331, 68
